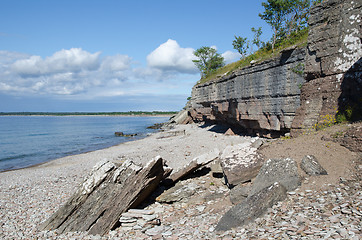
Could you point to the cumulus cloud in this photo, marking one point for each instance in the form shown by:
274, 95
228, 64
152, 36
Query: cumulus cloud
170, 56
85, 75
72, 60
66, 72
230, 56
116, 63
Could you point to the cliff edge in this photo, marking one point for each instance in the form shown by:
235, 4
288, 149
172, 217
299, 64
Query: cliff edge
297, 89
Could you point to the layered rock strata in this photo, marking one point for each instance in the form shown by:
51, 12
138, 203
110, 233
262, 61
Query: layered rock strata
333, 65
261, 98
298, 89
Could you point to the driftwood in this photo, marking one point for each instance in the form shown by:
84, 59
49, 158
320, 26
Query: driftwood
108, 192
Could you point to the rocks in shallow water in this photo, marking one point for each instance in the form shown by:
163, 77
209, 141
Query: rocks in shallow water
240, 163
253, 207
311, 166
121, 134
284, 171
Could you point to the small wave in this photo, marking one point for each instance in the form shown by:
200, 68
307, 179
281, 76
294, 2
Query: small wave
17, 157
37, 134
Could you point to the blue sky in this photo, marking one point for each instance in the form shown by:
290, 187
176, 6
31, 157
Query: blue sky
112, 55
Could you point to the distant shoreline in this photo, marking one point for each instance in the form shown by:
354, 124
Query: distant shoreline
104, 114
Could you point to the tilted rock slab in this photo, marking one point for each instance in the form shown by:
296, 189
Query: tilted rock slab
240, 163
182, 190
108, 191
196, 163
253, 207
311, 166
284, 171
239, 193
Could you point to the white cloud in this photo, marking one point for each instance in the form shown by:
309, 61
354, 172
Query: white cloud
73, 60
230, 56
116, 63
84, 75
170, 56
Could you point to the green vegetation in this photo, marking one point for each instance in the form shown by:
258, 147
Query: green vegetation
296, 39
208, 60
299, 69
349, 113
136, 113
241, 45
288, 20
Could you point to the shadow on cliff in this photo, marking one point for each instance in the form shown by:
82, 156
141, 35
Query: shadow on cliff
223, 128
350, 100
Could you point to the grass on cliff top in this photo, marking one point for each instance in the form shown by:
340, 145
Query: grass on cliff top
296, 39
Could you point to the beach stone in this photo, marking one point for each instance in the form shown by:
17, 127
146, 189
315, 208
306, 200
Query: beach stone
240, 163
253, 207
154, 231
216, 169
311, 166
196, 163
239, 193
182, 190
257, 143
229, 132
283, 171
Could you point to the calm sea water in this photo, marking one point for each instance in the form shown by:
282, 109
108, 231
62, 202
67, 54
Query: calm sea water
30, 140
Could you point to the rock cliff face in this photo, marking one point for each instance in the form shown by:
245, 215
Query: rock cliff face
263, 97
273, 97
333, 68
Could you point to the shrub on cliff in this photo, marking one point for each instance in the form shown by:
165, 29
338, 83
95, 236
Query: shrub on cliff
208, 60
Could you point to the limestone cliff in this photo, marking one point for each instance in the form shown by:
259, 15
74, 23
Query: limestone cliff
273, 97
333, 69
263, 97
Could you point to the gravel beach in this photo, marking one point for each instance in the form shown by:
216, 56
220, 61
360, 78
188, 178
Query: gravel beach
325, 208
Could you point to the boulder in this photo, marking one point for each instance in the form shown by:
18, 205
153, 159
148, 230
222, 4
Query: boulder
181, 191
311, 166
196, 163
240, 163
253, 207
110, 190
239, 193
284, 171
182, 117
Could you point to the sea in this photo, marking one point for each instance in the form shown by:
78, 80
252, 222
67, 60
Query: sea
30, 140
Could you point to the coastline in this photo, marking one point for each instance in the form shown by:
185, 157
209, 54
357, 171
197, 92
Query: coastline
38, 191
107, 140
29, 196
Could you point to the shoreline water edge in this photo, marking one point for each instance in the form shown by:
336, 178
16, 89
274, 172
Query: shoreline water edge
29, 196
33, 140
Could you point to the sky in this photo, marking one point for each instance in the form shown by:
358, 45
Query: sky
108, 55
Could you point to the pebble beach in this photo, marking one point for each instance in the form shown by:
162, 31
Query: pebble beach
29, 196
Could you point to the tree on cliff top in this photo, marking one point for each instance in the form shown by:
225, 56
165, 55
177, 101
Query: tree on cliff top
241, 45
275, 15
286, 16
208, 60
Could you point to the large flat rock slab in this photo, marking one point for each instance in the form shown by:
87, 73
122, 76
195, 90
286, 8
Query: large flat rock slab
240, 163
109, 190
284, 171
253, 207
